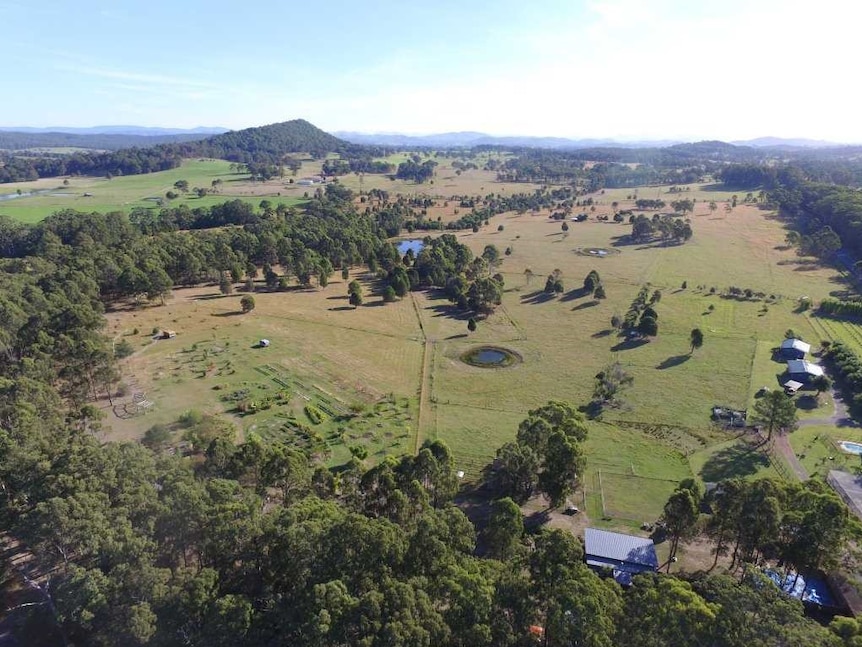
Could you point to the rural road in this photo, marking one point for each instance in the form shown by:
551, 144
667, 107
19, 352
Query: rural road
839, 418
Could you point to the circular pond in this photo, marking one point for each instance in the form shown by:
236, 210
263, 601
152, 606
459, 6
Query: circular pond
490, 357
596, 252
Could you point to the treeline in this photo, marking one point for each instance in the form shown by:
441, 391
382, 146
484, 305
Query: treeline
848, 368
837, 307
662, 226
145, 254
338, 167
129, 161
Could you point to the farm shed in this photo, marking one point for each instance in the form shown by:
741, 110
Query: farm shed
168, 334
793, 349
263, 343
626, 555
801, 371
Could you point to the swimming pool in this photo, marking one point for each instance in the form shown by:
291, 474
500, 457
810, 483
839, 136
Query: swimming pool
851, 447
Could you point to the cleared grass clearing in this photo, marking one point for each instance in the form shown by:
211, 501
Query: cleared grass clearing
127, 192
818, 450
661, 435
344, 357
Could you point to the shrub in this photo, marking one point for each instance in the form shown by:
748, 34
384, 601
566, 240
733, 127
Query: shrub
191, 418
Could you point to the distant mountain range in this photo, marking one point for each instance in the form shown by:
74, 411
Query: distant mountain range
144, 131
468, 139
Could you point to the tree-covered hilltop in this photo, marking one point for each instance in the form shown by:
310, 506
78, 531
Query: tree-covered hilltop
265, 145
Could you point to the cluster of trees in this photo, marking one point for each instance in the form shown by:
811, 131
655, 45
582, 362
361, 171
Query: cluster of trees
645, 204
593, 285
144, 255
841, 308
418, 172
803, 526
128, 161
662, 226
547, 455
471, 283
641, 315
848, 368
356, 165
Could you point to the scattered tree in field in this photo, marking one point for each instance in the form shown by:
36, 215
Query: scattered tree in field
565, 227
775, 411
696, 339
554, 282
225, 285
345, 273
591, 282
471, 325
712, 206
354, 292
389, 294
182, 185
648, 326
528, 275
684, 285
247, 303
616, 321
609, 384
600, 292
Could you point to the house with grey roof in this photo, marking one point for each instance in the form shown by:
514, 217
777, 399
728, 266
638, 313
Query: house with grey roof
625, 555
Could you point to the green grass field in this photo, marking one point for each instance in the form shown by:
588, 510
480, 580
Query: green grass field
126, 193
818, 450
401, 361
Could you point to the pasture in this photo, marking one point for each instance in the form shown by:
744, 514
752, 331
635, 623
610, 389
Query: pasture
133, 191
398, 365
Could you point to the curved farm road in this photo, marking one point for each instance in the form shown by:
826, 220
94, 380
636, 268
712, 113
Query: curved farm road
839, 418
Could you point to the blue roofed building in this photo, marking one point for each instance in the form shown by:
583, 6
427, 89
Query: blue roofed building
625, 555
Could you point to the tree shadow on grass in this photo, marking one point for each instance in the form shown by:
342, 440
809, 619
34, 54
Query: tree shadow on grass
577, 293
602, 333
738, 460
539, 296
450, 310
585, 305
458, 336
676, 360
228, 314
341, 308
342, 297
629, 344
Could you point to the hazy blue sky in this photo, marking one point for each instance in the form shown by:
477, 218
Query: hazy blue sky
722, 69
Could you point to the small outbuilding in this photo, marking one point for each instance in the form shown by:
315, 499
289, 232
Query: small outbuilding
168, 334
794, 349
263, 343
625, 555
799, 370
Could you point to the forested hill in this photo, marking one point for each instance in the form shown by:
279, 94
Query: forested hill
267, 144
263, 145
16, 141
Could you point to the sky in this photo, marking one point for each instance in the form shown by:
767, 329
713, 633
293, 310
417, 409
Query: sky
626, 69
